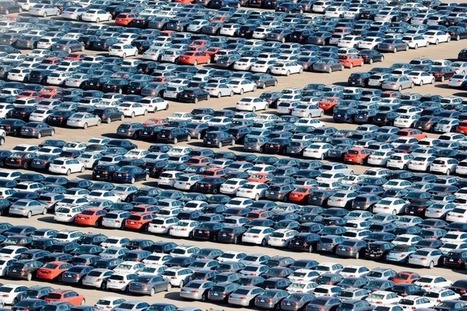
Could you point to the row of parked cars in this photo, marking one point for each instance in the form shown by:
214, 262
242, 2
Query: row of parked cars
144, 267
419, 71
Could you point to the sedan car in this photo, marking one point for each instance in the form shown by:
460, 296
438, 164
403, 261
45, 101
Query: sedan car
83, 120
37, 129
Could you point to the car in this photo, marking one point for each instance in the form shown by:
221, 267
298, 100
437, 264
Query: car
96, 15
252, 104
421, 77
83, 120
37, 129
149, 285
66, 166
123, 50
244, 295
27, 208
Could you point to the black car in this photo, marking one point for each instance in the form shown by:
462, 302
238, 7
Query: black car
12, 126
109, 114
456, 259
371, 56
218, 139
208, 185
378, 250
358, 79
207, 231
122, 143
193, 95
104, 171
59, 117
173, 135
231, 234
8, 7
305, 242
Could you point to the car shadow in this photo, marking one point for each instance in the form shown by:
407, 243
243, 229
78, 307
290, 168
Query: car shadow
443, 86
174, 295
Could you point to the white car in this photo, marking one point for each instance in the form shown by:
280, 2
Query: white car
307, 111
177, 276
252, 104
349, 41
109, 302
317, 150
369, 42
382, 298
457, 80
444, 165
240, 86
433, 281
157, 259
281, 237
40, 115
103, 195
436, 36
421, 77
231, 185
388, 206
231, 256
73, 13
18, 74
67, 214
123, 50
153, 104
219, 89
286, 68
131, 110
120, 281
354, 271
12, 293
303, 275
66, 166
96, 15
83, 120
414, 303
252, 190
257, 235
301, 287
184, 228
438, 295
162, 225
244, 63
262, 65
421, 163
458, 214
11, 252
341, 198
58, 77
415, 41
399, 160
44, 10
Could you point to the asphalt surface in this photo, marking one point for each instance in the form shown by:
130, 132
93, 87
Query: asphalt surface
442, 51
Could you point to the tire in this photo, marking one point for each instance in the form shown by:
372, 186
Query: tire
241, 91
98, 20
169, 287
350, 66
432, 81
152, 292
394, 50
421, 83
29, 214
44, 211
195, 63
108, 120
442, 78
406, 48
175, 140
431, 265
83, 302
181, 284
122, 117
219, 95
370, 61
103, 285
219, 145
44, 15
411, 85
329, 70
263, 242
357, 255
123, 55
52, 133
68, 172
82, 169
287, 73
437, 42
256, 197
39, 135
85, 126
458, 38
400, 88
196, 100
231, 93
253, 109
133, 180
198, 136
394, 212
233, 142
448, 172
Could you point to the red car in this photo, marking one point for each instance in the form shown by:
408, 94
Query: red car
70, 296
194, 58
405, 277
357, 155
328, 104
124, 19
412, 133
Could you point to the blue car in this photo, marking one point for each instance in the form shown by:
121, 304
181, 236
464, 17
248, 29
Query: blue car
130, 174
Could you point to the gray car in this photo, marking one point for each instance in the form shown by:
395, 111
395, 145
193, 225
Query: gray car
244, 295
397, 83
221, 291
426, 257
28, 208
255, 143
351, 248
132, 305
196, 290
270, 299
149, 285
97, 278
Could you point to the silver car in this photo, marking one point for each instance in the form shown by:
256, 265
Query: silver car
44, 10
270, 299
255, 143
196, 290
244, 295
426, 257
397, 83
97, 278
28, 208
83, 119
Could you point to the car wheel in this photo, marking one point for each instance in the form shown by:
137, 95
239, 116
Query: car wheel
103, 285
256, 197
219, 95
329, 70
122, 117
44, 15
350, 66
181, 284
370, 61
195, 63
147, 177
188, 138
39, 135
416, 46
458, 38
437, 42
442, 78
98, 20
400, 88
287, 73
357, 255
394, 212
406, 48
133, 180
52, 133
175, 140
145, 112
253, 109
411, 85
196, 100
432, 81
394, 50
68, 172
219, 145
133, 114
6, 13
241, 91
231, 93
82, 169
169, 287
448, 172
108, 120
198, 136
29, 214
83, 302
430, 266
421, 82
85, 126
44, 211
123, 55
136, 53
152, 292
